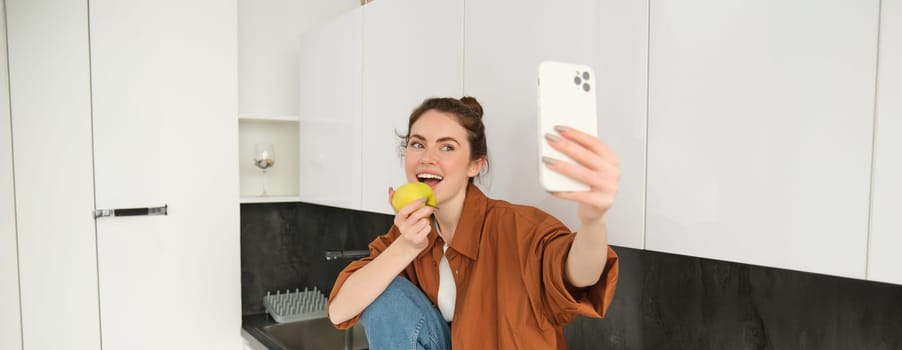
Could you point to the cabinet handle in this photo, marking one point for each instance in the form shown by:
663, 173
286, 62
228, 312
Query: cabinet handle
153, 211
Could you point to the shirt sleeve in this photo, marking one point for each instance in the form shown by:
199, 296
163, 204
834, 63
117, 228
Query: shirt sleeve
376, 247
558, 300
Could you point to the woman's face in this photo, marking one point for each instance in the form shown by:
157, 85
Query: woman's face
438, 154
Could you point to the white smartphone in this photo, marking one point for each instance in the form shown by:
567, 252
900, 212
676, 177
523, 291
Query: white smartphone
566, 95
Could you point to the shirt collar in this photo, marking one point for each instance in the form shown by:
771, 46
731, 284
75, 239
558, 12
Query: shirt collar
469, 227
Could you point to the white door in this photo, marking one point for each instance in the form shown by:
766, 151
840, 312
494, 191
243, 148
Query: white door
164, 92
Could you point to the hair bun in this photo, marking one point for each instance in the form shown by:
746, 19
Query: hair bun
472, 104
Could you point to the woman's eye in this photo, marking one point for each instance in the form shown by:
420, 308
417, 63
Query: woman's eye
415, 145
447, 148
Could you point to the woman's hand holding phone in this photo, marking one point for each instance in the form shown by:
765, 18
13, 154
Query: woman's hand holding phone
576, 165
594, 165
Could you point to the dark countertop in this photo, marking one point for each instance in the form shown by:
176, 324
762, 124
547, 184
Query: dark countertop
252, 325
255, 328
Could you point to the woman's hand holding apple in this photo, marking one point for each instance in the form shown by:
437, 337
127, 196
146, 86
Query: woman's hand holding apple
414, 221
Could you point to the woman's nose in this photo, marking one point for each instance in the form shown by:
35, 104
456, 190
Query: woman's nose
428, 156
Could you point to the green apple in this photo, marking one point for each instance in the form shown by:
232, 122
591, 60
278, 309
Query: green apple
410, 192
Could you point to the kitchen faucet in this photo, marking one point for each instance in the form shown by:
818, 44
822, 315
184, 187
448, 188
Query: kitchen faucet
346, 254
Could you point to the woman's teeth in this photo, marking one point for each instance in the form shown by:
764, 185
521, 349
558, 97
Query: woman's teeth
424, 177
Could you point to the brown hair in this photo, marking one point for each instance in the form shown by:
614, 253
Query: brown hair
469, 115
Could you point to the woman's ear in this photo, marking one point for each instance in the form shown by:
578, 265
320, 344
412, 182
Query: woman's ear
476, 167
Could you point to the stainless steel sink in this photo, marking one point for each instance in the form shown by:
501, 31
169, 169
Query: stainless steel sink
316, 334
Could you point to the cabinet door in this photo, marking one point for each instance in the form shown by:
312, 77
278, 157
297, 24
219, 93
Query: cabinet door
10, 316
412, 50
760, 131
330, 82
886, 192
49, 83
165, 132
506, 40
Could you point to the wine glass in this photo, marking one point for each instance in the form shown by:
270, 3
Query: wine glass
264, 158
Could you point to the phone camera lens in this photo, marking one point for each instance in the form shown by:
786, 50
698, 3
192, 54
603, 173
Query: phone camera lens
585, 75
586, 87
577, 80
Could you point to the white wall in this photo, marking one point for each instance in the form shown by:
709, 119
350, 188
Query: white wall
10, 321
269, 33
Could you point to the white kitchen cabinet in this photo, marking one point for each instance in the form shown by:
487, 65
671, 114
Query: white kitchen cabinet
412, 50
141, 113
885, 240
330, 112
504, 43
760, 127
10, 321
50, 97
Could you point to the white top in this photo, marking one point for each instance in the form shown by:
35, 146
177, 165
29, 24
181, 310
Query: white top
447, 289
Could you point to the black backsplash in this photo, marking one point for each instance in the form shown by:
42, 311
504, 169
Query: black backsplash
283, 245
663, 301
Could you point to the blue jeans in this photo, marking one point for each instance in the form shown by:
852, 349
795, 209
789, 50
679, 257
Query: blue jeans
404, 318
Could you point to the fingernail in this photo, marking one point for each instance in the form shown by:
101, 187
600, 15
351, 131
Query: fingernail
561, 128
548, 160
552, 137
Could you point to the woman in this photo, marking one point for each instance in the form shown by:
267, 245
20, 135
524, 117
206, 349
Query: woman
474, 272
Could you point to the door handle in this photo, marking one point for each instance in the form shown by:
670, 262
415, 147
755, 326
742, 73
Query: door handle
151, 211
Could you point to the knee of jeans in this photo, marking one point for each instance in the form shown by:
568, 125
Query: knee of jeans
395, 294
399, 287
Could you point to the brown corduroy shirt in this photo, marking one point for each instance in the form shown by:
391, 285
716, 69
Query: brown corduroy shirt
508, 264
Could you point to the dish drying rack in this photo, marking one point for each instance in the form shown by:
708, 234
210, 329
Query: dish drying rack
295, 306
